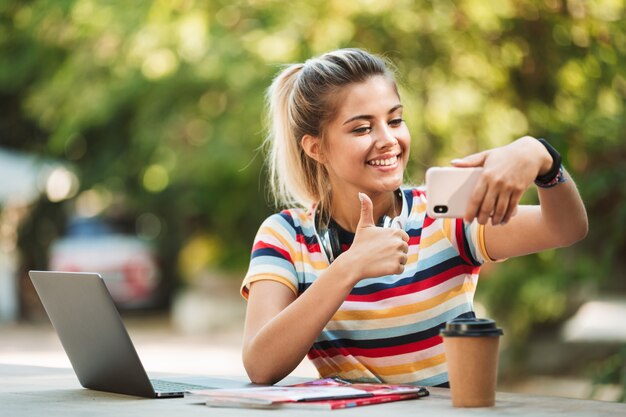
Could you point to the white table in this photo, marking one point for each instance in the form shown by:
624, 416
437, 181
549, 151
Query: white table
55, 392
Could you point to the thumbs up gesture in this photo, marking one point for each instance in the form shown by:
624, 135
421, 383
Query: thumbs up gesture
367, 213
377, 251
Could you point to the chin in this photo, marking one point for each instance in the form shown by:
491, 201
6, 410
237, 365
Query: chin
391, 186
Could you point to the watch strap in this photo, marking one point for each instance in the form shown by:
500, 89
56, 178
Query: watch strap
556, 164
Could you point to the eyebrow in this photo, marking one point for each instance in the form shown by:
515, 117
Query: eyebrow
369, 117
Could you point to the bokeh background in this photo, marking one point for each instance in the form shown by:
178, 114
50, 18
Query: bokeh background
131, 131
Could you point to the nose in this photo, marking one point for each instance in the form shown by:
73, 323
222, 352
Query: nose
385, 138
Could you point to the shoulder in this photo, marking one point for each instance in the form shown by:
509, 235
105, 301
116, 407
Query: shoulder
292, 221
414, 192
415, 199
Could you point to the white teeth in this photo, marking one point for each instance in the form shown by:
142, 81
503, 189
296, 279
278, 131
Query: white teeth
384, 162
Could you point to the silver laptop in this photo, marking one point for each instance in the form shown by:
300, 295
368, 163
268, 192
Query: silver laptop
94, 337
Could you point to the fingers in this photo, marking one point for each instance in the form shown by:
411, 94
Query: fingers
367, 212
400, 267
382, 251
401, 255
403, 235
404, 247
401, 262
512, 209
403, 243
501, 208
404, 255
495, 205
495, 197
474, 160
493, 202
475, 202
487, 207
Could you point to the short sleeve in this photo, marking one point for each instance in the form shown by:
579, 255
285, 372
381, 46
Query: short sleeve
469, 239
476, 233
272, 254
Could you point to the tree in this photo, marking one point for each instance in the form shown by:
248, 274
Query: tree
159, 106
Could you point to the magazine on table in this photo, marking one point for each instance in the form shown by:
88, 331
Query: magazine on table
328, 393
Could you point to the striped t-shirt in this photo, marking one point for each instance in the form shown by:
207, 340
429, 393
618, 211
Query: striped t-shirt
387, 329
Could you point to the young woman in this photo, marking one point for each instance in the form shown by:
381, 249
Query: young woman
365, 302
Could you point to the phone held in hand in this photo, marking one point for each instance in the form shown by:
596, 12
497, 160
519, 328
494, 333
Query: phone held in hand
448, 190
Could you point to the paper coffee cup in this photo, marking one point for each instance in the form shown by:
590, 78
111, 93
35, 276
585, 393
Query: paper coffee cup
471, 348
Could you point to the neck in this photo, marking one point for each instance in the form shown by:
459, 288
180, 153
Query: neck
347, 212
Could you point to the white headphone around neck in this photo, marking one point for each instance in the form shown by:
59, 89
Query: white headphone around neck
328, 236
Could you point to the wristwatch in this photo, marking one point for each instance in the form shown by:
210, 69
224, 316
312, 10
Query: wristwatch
555, 175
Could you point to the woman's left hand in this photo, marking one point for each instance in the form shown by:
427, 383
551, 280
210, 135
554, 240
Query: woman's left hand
507, 172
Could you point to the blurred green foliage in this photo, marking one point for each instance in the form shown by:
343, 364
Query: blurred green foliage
159, 107
612, 370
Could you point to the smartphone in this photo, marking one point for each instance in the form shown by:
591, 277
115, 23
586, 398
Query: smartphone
448, 190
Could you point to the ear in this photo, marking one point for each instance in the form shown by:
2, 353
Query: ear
312, 147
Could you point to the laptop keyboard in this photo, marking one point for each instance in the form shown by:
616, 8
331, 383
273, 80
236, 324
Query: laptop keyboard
169, 386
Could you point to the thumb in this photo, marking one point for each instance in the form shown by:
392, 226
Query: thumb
367, 209
473, 160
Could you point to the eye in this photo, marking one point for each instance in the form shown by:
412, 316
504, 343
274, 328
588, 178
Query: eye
396, 122
362, 130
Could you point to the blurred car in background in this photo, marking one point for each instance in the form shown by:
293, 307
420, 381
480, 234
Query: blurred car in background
126, 263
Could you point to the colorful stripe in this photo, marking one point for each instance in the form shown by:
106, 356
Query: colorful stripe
387, 329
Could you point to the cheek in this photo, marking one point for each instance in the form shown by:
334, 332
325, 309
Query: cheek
406, 135
406, 141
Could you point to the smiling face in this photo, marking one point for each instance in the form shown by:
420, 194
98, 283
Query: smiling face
367, 143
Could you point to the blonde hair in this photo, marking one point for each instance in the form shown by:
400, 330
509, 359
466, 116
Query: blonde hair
301, 101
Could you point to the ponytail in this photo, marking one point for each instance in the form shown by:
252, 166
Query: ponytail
300, 102
284, 147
